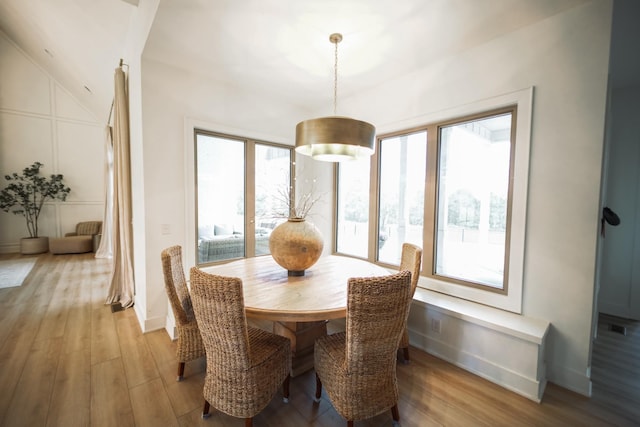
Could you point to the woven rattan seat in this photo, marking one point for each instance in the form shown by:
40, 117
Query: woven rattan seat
358, 367
245, 365
190, 346
411, 260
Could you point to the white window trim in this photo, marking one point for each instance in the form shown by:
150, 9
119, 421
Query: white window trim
512, 301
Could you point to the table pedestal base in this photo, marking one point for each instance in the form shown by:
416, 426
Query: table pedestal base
302, 335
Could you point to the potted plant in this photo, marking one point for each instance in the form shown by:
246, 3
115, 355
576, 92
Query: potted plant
25, 195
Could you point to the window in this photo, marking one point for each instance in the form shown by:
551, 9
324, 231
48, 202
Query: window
238, 184
474, 163
466, 221
401, 193
457, 188
352, 222
273, 186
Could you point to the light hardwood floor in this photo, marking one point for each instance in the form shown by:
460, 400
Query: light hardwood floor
67, 360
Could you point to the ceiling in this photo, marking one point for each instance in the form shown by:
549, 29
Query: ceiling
277, 47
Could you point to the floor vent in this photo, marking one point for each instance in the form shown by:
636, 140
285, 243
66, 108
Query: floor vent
619, 329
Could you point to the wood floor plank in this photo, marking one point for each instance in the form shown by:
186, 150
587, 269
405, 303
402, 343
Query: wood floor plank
9, 315
162, 349
30, 403
139, 365
77, 335
110, 401
467, 394
280, 414
151, 406
417, 416
186, 395
62, 348
104, 337
194, 419
70, 404
54, 321
15, 351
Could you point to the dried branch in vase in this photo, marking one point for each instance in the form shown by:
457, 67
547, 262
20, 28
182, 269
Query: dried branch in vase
296, 209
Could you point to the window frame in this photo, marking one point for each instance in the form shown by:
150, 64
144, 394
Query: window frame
434, 150
510, 297
374, 249
249, 189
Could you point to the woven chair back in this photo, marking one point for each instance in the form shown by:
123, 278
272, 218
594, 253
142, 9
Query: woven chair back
377, 311
176, 285
218, 303
411, 259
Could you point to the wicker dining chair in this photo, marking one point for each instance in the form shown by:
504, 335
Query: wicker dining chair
410, 260
358, 367
190, 346
245, 365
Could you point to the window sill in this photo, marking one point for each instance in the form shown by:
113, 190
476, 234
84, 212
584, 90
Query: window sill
525, 328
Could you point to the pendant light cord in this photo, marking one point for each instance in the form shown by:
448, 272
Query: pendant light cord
335, 80
335, 38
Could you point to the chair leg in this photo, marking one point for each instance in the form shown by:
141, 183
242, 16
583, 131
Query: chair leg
405, 353
395, 414
285, 389
180, 371
349, 423
248, 422
205, 410
318, 389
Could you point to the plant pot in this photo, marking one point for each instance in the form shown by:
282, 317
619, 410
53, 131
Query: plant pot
34, 245
296, 245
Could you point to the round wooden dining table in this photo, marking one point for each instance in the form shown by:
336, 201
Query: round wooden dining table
299, 306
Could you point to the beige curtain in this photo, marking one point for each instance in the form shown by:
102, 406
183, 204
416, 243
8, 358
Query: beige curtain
122, 284
105, 248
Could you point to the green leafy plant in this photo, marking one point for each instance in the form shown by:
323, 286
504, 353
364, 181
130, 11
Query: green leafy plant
25, 194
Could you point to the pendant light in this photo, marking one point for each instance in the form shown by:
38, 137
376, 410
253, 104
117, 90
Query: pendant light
335, 138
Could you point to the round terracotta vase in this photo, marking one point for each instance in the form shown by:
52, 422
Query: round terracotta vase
296, 245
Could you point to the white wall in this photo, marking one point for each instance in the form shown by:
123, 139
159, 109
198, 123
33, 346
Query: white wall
174, 101
138, 31
565, 58
40, 121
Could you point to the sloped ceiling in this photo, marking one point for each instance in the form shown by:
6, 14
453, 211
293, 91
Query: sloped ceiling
279, 47
78, 42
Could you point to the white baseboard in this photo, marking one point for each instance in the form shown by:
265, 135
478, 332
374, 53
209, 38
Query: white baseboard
9, 249
170, 327
530, 388
148, 325
570, 379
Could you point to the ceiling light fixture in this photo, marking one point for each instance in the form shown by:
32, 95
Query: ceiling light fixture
334, 139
